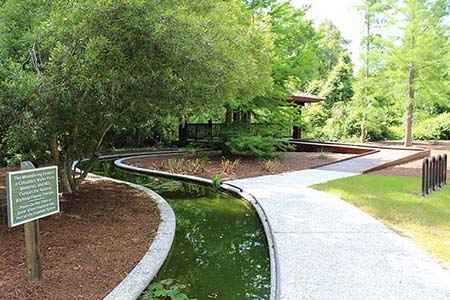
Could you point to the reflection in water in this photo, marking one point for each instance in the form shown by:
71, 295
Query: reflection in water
220, 249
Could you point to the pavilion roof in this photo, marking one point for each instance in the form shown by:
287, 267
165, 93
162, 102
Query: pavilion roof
305, 98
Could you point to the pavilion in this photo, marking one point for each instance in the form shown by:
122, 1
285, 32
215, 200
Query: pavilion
301, 99
207, 132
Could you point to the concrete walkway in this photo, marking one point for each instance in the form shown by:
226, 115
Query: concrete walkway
329, 249
364, 163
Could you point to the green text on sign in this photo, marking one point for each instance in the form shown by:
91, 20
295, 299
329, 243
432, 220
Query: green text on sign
32, 194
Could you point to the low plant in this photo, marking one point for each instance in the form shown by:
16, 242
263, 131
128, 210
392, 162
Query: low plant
176, 165
166, 289
216, 181
270, 165
181, 165
159, 166
323, 154
197, 165
227, 166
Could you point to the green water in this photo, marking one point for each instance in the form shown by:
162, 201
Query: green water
220, 250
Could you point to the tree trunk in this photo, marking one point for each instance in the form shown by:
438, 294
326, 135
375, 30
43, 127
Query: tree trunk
363, 131
93, 159
228, 115
226, 151
366, 75
408, 128
410, 108
64, 181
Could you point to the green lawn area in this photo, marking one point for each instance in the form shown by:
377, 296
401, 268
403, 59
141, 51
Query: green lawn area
397, 202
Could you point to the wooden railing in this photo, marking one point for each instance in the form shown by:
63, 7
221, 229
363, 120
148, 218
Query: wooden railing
212, 132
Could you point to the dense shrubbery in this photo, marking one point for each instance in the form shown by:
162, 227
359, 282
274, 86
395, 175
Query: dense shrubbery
256, 145
434, 128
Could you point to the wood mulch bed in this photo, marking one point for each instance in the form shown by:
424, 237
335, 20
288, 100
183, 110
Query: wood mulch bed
414, 168
247, 167
102, 232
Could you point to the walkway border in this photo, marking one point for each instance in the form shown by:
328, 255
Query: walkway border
273, 251
137, 280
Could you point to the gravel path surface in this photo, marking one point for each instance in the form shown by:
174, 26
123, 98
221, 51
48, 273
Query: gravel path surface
329, 249
361, 164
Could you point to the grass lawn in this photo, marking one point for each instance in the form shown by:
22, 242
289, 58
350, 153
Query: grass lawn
397, 202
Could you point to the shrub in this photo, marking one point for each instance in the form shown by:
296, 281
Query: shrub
216, 181
434, 128
270, 165
229, 166
259, 146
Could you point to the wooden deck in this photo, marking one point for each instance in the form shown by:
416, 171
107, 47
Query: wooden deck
368, 159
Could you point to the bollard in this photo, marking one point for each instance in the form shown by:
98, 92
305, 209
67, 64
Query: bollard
434, 173
444, 175
438, 171
425, 171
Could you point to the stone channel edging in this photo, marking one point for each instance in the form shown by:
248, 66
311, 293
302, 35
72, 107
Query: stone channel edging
132, 286
273, 251
143, 273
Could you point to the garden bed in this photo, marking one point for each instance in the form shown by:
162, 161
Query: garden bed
101, 233
208, 165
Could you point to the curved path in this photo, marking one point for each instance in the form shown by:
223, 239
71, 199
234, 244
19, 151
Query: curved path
329, 249
382, 158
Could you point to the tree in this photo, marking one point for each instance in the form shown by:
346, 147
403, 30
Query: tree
296, 51
77, 74
294, 62
332, 46
374, 18
418, 62
339, 84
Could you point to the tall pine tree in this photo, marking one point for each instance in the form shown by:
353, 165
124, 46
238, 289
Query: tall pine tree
418, 62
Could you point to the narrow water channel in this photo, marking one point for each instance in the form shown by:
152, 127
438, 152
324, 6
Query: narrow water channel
220, 249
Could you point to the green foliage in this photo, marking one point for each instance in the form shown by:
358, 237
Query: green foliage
339, 84
113, 64
259, 146
434, 128
216, 181
166, 289
296, 51
400, 36
331, 45
186, 166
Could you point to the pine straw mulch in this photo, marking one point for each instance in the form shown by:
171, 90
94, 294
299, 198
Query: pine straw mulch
102, 232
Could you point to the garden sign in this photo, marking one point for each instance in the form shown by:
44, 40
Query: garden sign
32, 194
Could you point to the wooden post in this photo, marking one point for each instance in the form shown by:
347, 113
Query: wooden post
32, 241
297, 130
210, 130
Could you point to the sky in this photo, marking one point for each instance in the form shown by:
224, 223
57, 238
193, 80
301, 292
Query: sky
344, 15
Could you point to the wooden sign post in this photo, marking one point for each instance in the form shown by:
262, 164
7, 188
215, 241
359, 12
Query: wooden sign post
32, 194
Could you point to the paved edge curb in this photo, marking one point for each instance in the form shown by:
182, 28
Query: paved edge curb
132, 286
137, 280
273, 251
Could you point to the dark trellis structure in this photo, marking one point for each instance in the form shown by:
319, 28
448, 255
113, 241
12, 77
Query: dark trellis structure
434, 173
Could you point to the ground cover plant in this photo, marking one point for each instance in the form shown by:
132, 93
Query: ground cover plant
213, 165
397, 202
166, 289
